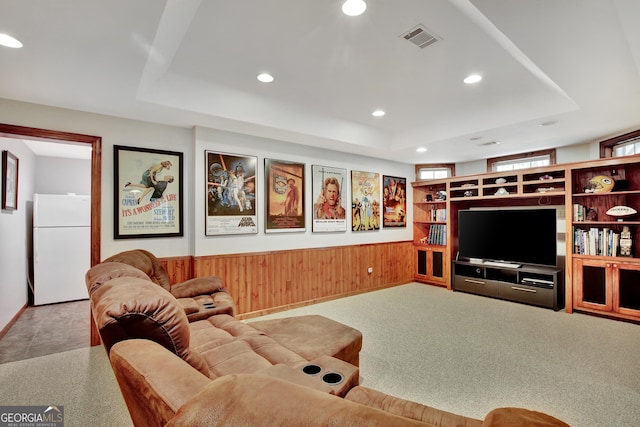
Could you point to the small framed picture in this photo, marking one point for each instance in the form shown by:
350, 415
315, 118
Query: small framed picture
148, 193
9, 181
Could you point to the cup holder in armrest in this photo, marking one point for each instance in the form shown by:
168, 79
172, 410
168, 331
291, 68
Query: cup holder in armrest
332, 378
311, 369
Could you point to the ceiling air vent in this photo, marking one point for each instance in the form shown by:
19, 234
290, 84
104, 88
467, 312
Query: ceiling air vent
420, 36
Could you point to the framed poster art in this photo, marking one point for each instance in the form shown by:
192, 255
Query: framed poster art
148, 193
328, 192
9, 181
285, 196
394, 201
230, 194
365, 201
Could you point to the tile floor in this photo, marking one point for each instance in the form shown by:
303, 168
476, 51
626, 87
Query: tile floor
47, 329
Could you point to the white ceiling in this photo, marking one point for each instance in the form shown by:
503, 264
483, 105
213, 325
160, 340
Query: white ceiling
194, 62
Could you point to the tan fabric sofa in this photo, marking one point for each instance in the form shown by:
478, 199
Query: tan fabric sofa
225, 372
200, 298
162, 389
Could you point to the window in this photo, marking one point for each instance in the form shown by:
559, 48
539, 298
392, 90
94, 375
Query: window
623, 145
533, 159
434, 171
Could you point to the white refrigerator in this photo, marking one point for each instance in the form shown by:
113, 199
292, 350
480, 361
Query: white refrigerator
61, 247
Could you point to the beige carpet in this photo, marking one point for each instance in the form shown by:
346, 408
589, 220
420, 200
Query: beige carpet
458, 352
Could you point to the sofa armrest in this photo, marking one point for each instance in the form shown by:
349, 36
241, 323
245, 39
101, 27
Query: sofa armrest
154, 382
197, 286
519, 417
257, 400
405, 408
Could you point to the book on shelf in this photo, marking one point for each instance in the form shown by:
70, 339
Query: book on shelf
437, 235
438, 215
596, 241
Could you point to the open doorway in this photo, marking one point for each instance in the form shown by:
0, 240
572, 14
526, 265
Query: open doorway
44, 136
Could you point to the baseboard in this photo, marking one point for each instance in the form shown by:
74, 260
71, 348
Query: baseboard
13, 320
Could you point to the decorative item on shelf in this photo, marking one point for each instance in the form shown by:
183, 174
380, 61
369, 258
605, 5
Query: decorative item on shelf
423, 241
621, 211
429, 198
467, 185
502, 192
592, 215
441, 196
501, 181
600, 184
545, 189
545, 177
625, 241
468, 193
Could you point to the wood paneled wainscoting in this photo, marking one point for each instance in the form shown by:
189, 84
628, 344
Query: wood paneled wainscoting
267, 282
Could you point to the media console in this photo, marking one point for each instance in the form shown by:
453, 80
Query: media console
532, 285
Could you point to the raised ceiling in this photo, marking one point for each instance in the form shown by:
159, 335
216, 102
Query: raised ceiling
195, 62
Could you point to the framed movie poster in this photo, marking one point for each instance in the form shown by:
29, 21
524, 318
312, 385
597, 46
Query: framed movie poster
394, 201
148, 193
328, 193
9, 181
231, 194
365, 201
285, 196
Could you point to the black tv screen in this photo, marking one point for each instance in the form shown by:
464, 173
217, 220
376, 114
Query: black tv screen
522, 236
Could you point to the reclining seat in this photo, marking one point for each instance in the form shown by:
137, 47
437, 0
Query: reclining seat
128, 307
200, 297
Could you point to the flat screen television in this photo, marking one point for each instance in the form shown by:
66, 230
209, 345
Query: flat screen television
521, 236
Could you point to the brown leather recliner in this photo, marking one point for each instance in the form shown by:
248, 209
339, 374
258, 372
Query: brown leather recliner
200, 297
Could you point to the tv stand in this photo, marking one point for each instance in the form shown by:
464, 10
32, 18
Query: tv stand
532, 285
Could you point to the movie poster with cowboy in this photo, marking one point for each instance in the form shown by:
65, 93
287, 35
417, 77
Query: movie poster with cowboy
148, 193
329, 195
365, 201
285, 196
231, 194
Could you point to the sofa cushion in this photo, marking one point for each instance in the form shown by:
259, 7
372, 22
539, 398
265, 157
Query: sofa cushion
146, 262
130, 307
312, 336
101, 273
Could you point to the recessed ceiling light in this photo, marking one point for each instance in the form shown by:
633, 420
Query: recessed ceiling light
421, 149
473, 78
354, 7
378, 113
8, 41
265, 78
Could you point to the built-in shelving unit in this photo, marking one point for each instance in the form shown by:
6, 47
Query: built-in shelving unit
606, 283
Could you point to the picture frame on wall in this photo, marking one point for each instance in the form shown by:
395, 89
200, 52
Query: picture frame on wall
394, 201
329, 193
148, 193
231, 197
365, 201
9, 181
285, 184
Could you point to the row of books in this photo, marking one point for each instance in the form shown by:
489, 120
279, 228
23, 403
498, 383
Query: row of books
437, 235
439, 215
596, 241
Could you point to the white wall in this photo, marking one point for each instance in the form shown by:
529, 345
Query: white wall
15, 235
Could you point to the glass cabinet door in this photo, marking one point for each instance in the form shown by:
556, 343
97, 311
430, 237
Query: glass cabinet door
628, 291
